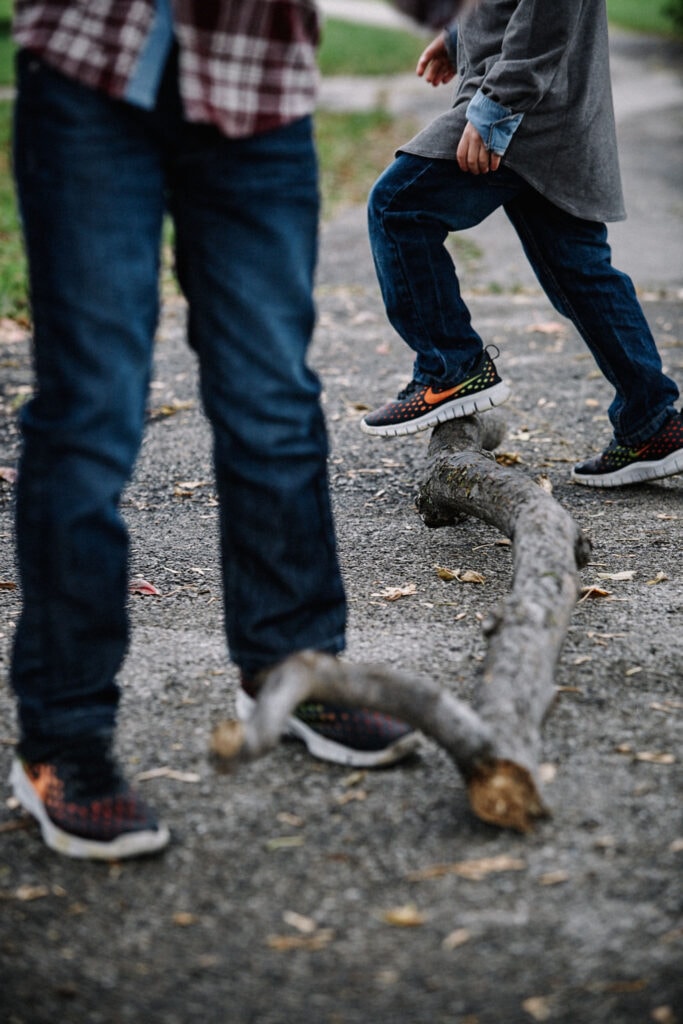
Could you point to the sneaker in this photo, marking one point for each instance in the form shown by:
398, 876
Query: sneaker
342, 735
420, 406
661, 456
85, 808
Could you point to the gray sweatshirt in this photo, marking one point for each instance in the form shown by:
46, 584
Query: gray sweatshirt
534, 79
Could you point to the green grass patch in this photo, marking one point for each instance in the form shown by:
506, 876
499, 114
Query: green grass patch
349, 49
13, 300
641, 16
354, 149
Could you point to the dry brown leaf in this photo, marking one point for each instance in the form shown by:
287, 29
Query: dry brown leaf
351, 796
446, 574
554, 878
183, 918
8, 474
456, 938
7, 585
545, 483
508, 458
626, 574
394, 593
659, 577
473, 870
470, 576
161, 412
663, 1015
407, 916
654, 757
27, 893
303, 924
287, 943
538, 1007
593, 592
11, 331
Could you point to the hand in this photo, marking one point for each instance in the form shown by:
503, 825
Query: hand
472, 155
434, 64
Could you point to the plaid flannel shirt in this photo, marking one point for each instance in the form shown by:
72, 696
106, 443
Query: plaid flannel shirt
245, 65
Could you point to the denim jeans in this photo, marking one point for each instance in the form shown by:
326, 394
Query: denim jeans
418, 201
94, 178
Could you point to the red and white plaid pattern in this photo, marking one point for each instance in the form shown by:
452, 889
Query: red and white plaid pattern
245, 65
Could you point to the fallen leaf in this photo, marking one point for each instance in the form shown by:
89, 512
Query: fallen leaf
351, 796
593, 592
168, 773
653, 757
407, 916
508, 458
626, 574
285, 818
27, 893
456, 938
305, 925
286, 943
8, 474
354, 778
446, 574
470, 576
554, 878
140, 586
161, 412
394, 593
545, 483
663, 1015
473, 870
660, 577
183, 919
538, 1007
7, 585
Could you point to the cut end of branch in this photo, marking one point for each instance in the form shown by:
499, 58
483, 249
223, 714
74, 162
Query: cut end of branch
227, 741
504, 794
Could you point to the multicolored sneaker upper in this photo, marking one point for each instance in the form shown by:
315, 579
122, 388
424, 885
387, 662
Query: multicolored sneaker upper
420, 406
620, 464
357, 728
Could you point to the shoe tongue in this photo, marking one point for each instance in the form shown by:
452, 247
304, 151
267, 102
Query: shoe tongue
88, 769
410, 389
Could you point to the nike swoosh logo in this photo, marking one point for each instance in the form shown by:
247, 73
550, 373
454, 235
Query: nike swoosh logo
432, 397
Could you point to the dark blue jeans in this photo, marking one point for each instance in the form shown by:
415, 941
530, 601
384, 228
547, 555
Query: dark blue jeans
94, 178
418, 201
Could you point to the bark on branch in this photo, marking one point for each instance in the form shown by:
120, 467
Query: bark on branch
494, 745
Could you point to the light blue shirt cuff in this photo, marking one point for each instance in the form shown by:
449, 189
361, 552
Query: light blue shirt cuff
144, 85
496, 124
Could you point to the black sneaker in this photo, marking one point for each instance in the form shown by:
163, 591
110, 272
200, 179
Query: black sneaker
661, 456
342, 735
85, 808
420, 406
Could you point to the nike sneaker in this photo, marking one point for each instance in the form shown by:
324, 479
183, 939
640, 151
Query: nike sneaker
661, 456
420, 406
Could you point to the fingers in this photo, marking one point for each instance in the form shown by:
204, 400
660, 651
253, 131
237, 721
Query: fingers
473, 156
434, 63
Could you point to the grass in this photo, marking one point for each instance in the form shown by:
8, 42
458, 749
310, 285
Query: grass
641, 16
349, 49
13, 300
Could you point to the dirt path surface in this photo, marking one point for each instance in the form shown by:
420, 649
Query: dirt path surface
297, 891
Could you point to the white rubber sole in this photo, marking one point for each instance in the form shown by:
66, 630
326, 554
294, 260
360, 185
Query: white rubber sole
327, 750
133, 844
466, 406
638, 473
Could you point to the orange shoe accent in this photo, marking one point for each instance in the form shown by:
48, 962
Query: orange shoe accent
43, 778
432, 397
